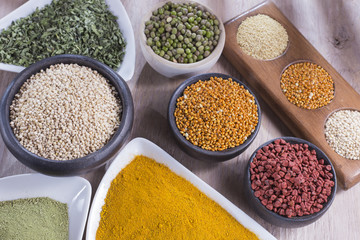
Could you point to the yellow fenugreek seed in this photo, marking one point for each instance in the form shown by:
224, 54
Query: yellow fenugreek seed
307, 85
215, 125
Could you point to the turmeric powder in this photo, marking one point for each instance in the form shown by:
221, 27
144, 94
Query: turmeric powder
147, 200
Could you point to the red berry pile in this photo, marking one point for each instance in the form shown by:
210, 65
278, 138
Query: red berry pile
289, 180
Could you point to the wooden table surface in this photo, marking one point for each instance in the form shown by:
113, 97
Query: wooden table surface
332, 27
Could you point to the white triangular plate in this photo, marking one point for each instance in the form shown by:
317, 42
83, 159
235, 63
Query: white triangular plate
126, 70
141, 146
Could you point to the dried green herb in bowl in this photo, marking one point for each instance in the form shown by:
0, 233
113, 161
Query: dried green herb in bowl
83, 27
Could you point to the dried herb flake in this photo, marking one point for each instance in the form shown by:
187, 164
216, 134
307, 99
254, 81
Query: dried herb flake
84, 27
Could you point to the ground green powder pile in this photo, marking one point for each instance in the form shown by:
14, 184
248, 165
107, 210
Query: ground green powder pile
34, 219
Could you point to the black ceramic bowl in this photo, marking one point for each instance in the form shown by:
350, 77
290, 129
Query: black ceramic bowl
275, 218
79, 165
198, 152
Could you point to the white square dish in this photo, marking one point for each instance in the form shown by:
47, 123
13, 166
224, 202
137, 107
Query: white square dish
126, 70
74, 191
141, 146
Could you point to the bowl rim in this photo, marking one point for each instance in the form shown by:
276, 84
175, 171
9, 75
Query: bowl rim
183, 66
227, 153
298, 219
66, 167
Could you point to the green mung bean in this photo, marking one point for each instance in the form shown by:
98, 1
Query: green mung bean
182, 28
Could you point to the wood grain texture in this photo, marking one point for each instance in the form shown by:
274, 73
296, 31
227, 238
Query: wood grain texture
330, 26
264, 77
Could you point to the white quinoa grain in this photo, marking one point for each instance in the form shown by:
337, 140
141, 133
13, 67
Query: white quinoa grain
262, 37
342, 132
65, 112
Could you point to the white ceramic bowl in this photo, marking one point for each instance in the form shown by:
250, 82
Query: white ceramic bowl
74, 191
171, 69
141, 146
126, 69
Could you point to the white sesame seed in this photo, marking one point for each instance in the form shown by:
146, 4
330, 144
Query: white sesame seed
65, 112
342, 132
262, 37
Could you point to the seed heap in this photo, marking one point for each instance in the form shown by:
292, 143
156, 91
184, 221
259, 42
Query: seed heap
307, 85
216, 114
182, 32
289, 180
342, 132
65, 112
262, 37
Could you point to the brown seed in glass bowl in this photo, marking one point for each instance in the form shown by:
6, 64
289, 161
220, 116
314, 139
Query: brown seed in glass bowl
307, 85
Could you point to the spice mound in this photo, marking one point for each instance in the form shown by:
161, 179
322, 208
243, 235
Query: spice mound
290, 180
147, 200
65, 112
82, 27
182, 32
34, 219
342, 132
216, 114
262, 37
307, 85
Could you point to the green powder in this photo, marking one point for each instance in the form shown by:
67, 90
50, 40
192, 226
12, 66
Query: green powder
34, 218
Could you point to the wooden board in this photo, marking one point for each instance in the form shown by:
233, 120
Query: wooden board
264, 78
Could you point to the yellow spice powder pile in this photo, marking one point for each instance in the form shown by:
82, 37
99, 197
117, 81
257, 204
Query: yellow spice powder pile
148, 201
216, 114
307, 85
